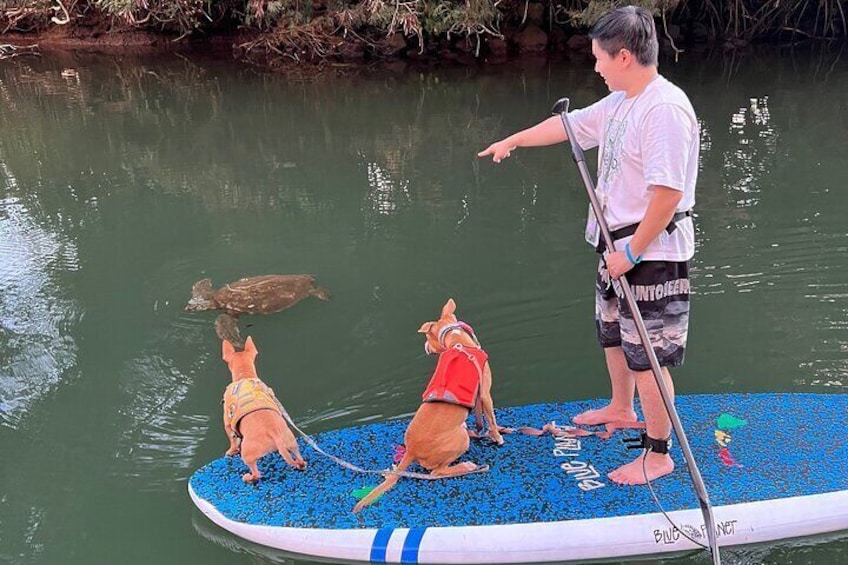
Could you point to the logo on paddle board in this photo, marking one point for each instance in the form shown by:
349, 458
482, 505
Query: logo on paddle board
672, 535
568, 446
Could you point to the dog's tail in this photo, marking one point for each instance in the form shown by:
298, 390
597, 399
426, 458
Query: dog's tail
385, 485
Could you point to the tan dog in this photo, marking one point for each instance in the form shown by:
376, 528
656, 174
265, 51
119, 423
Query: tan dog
437, 436
252, 416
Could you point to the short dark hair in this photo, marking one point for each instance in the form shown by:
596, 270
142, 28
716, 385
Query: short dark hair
631, 28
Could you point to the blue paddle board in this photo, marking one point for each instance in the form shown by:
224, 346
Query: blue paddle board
775, 467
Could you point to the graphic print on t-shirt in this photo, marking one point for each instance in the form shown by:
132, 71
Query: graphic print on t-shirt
613, 137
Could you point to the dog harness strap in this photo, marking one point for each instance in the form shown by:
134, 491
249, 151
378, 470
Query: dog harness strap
245, 396
460, 325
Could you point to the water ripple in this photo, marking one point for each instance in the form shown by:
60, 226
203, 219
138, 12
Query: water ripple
158, 443
35, 315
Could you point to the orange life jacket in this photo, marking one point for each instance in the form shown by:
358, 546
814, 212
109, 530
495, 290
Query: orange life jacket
245, 396
457, 377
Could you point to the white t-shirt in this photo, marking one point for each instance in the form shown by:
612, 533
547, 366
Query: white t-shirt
649, 139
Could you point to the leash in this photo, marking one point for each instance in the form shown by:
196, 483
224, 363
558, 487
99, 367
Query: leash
567, 431
384, 472
347, 465
550, 428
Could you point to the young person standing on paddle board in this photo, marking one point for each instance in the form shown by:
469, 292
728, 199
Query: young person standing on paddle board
648, 140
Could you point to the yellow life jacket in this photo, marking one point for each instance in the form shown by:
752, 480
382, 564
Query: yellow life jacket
245, 396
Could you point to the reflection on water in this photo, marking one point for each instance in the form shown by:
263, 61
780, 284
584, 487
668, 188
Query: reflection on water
259, 553
158, 439
767, 234
126, 180
754, 154
386, 194
36, 313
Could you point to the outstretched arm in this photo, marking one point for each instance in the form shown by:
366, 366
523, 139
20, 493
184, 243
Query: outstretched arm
547, 132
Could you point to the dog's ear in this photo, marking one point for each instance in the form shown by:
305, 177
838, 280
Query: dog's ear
425, 327
250, 347
227, 350
449, 308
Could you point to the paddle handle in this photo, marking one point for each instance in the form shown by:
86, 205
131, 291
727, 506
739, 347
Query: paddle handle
561, 108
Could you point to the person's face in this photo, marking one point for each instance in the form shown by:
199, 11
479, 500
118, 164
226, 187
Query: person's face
610, 67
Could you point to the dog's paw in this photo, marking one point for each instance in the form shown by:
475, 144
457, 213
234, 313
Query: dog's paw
465, 467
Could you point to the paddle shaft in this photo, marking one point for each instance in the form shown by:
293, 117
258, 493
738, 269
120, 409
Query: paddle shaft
561, 107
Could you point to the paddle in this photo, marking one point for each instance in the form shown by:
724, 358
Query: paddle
561, 108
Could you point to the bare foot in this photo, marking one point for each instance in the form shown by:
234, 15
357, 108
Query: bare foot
603, 416
656, 465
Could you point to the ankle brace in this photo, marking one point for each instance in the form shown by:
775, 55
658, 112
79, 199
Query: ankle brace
646, 442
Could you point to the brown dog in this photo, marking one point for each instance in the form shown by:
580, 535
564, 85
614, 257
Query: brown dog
437, 436
252, 416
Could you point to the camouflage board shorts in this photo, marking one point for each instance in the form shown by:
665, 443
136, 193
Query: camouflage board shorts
661, 289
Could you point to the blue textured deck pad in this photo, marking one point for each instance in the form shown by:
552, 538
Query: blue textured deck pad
777, 445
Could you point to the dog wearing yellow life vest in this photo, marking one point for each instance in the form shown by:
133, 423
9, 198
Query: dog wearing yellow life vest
437, 435
253, 417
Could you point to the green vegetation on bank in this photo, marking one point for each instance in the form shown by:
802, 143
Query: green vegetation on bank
356, 29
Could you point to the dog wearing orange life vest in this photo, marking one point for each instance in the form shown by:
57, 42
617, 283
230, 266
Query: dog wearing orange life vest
437, 435
253, 417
